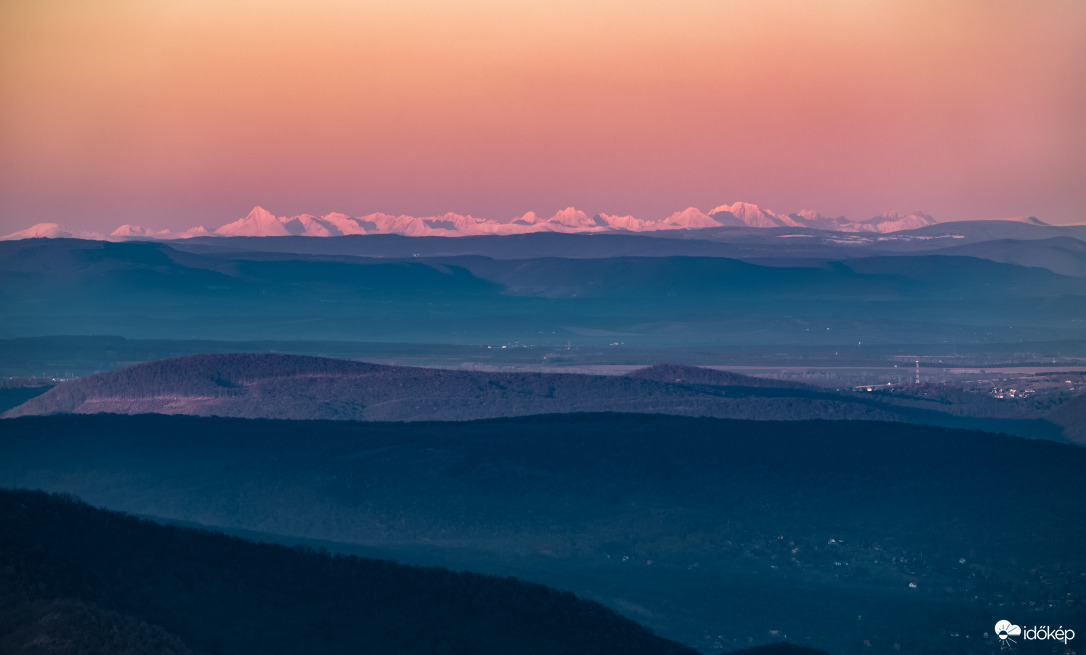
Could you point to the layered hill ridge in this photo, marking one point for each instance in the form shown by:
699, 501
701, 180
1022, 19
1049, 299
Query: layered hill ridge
262, 223
274, 386
593, 289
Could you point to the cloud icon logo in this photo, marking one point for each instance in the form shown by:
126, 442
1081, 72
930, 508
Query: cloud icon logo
1005, 630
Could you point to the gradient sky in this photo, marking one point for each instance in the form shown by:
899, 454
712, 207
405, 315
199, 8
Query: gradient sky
171, 114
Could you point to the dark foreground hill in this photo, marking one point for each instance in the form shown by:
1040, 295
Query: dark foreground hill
719, 534
74, 579
296, 387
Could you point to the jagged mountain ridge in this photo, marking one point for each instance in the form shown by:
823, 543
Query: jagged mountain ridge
263, 223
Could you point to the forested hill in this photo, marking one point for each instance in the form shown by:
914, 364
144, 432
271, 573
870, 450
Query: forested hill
74, 579
296, 387
746, 529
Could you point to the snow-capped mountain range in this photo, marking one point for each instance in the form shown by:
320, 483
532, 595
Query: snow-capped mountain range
262, 223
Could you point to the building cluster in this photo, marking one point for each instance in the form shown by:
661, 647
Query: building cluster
999, 392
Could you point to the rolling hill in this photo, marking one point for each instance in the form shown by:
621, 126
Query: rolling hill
298, 387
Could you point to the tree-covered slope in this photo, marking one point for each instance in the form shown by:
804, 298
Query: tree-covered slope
74, 579
708, 531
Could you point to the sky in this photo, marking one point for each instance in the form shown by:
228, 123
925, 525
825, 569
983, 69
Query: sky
173, 114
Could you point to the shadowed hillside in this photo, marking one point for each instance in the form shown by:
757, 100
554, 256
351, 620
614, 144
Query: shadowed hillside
74, 579
705, 530
297, 387
1072, 416
17, 391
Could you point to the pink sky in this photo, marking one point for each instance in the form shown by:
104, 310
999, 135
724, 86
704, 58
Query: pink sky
175, 114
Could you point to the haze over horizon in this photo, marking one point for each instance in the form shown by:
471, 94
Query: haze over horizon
173, 115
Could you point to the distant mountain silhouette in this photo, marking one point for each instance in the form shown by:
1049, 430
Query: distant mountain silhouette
810, 294
1064, 255
738, 242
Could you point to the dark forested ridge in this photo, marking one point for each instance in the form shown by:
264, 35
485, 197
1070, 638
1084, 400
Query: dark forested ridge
82, 581
296, 387
74, 579
711, 532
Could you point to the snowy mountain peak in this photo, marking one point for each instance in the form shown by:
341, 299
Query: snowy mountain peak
572, 217
691, 218
808, 215
527, 218
890, 216
131, 231
48, 231
893, 221
258, 223
262, 223
258, 213
751, 215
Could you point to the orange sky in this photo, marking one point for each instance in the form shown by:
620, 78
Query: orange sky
175, 114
